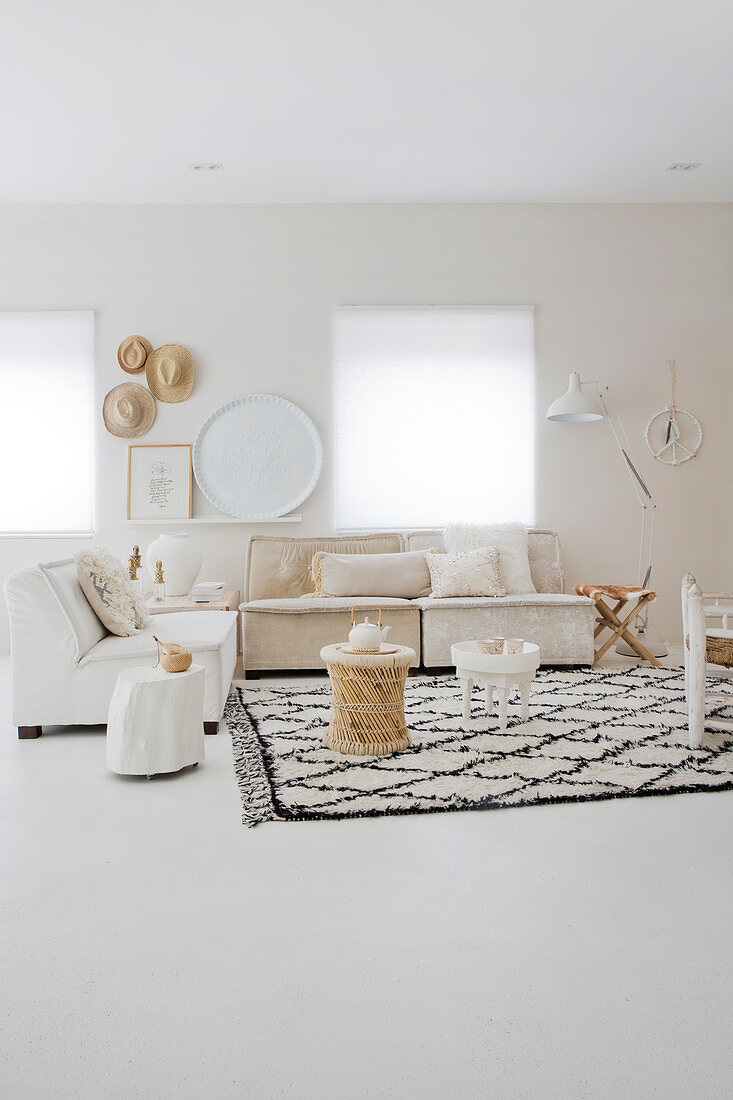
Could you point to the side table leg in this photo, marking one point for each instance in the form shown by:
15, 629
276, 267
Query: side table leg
503, 693
467, 689
524, 688
489, 699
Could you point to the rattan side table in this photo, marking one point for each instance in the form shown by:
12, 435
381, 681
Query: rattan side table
367, 699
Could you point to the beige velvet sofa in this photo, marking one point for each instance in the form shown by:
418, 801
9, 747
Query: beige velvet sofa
284, 629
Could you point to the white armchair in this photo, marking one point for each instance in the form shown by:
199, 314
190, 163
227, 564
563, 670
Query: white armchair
704, 645
65, 663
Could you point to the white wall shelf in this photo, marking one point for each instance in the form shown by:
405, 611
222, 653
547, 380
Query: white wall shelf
294, 517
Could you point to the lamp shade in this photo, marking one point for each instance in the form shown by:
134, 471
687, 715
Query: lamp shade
575, 407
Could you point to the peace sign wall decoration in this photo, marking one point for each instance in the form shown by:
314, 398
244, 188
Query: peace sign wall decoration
673, 435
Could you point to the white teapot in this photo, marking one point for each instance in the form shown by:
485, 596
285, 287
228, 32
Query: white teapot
366, 637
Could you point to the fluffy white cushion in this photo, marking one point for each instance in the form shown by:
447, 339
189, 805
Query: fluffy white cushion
473, 574
404, 574
110, 594
510, 539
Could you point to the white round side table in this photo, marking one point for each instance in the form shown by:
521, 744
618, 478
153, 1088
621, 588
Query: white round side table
495, 672
156, 721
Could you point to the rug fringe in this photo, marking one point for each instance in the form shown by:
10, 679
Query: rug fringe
248, 764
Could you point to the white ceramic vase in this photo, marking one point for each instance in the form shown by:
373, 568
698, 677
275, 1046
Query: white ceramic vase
181, 558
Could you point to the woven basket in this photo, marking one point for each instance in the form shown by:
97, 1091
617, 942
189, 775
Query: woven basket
178, 661
719, 651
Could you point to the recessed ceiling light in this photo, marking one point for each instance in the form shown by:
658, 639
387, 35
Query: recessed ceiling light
207, 166
682, 166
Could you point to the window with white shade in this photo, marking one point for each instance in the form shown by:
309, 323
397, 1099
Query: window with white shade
46, 423
434, 416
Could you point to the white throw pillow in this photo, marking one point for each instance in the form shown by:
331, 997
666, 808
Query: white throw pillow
110, 594
510, 539
473, 574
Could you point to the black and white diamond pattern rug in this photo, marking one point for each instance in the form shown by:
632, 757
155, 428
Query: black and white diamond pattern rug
591, 734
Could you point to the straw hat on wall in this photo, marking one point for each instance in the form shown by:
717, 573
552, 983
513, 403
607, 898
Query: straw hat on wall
169, 371
129, 410
133, 352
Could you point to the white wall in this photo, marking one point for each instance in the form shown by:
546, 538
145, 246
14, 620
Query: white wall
250, 290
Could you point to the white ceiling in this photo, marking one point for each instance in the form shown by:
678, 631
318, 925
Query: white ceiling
368, 101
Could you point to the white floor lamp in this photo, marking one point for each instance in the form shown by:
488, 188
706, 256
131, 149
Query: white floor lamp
576, 407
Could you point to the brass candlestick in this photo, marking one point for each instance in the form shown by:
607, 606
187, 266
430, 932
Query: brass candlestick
159, 582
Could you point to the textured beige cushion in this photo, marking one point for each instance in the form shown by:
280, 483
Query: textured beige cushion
473, 574
510, 539
322, 604
562, 626
405, 575
294, 636
110, 595
545, 562
281, 567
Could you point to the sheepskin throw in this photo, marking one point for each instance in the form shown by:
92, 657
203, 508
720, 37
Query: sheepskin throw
510, 539
109, 592
473, 574
592, 734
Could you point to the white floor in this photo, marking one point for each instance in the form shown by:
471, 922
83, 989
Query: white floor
154, 947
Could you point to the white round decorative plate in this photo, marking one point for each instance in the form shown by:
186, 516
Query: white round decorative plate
257, 457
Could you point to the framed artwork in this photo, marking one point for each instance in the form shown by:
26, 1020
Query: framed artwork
159, 481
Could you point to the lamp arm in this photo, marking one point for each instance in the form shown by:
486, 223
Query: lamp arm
643, 493
624, 446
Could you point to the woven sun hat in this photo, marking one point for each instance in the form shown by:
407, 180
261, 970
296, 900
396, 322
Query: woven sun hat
132, 353
129, 410
169, 371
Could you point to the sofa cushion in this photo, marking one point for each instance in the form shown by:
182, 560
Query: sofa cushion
404, 575
510, 539
330, 604
539, 599
291, 633
281, 567
473, 574
85, 627
562, 626
544, 555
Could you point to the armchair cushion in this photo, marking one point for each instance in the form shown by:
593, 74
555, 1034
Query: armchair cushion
199, 631
85, 627
210, 635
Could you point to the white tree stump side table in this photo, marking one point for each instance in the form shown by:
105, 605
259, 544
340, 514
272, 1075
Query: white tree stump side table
496, 673
156, 721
